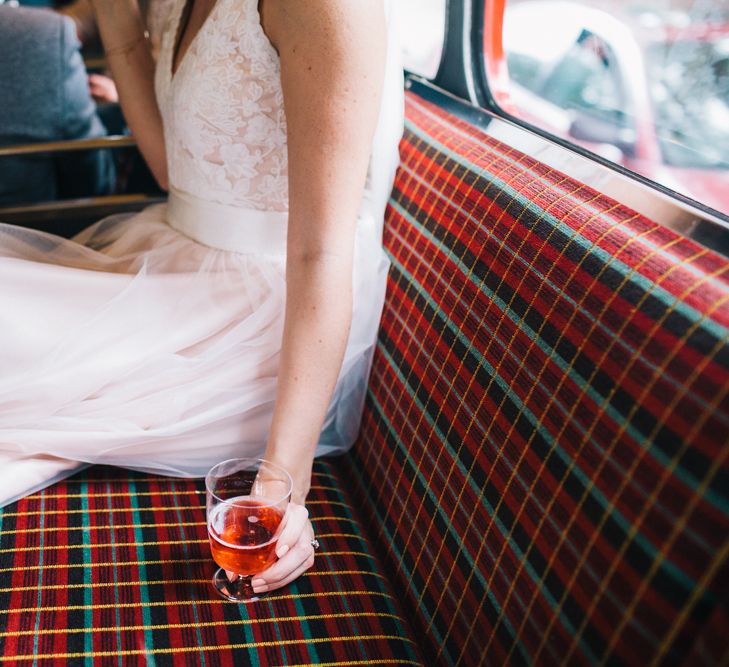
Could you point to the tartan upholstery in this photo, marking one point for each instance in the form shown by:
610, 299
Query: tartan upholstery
114, 567
541, 476
543, 458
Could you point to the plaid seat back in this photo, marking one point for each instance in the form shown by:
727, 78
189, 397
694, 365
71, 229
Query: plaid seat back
544, 449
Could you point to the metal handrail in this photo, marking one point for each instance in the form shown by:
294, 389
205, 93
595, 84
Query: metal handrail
112, 141
95, 62
87, 207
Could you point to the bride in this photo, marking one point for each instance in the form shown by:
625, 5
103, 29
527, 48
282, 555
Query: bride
239, 318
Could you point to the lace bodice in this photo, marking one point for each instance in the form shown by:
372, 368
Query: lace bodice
225, 128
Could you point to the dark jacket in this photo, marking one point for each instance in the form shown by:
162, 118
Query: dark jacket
44, 96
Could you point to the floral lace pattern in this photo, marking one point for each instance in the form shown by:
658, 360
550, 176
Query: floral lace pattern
223, 114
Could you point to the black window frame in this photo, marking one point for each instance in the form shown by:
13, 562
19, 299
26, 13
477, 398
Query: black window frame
462, 73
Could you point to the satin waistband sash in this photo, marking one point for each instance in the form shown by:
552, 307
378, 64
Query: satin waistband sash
230, 228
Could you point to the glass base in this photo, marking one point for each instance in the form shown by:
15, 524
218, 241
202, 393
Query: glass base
238, 590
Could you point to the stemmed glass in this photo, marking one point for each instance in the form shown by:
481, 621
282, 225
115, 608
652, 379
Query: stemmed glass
246, 502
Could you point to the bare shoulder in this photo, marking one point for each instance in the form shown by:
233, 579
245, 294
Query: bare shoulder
322, 25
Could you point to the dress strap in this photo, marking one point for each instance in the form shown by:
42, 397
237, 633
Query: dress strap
226, 227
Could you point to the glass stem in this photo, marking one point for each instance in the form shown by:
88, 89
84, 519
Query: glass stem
242, 586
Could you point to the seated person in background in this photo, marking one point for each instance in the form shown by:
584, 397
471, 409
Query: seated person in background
156, 14
45, 97
82, 14
132, 173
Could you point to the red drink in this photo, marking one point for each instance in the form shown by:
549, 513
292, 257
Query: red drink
243, 535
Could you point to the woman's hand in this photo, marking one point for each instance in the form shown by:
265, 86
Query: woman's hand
103, 89
294, 550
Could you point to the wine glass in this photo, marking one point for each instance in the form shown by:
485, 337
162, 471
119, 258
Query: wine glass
246, 502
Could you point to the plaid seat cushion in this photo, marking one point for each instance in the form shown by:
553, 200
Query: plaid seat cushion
544, 450
114, 567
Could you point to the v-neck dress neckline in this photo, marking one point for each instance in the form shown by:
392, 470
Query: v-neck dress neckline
185, 5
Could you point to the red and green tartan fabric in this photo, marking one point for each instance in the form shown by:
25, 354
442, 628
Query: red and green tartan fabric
544, 450
113, 567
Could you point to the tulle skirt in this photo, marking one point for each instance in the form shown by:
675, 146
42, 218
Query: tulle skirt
151, 341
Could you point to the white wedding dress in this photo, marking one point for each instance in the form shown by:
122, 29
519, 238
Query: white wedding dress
152, 341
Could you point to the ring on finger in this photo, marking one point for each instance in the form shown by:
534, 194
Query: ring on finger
314, 543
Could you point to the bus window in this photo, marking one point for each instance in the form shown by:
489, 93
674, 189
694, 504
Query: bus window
641, 86
422, 29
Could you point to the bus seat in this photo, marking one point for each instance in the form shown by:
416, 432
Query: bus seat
543, 459
540, 478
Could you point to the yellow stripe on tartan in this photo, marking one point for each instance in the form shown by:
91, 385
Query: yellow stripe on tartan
435, 468
416, 165
170, 524
698, 591
204, 624
349, 535
112, 494
628, 475
188, 649
157, 507
216, 600
679, 524
126, 494
452, 460
103, 545
566, 376
166, 561
484, 354
125, 480
517, 466
102, 584
352, 663
105, 510
166, 582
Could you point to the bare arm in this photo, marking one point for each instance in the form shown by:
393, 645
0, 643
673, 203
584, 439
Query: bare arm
332, 66
129, 58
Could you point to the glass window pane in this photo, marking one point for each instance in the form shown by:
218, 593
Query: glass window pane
422, 28
645, 85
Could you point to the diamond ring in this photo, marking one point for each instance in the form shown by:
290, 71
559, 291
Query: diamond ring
315, 544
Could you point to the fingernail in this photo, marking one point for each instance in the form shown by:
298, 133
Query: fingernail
282, 550
256, 583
